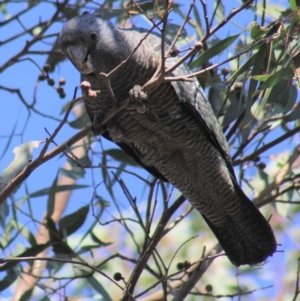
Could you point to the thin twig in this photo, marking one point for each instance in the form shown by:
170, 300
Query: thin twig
297, 291
152, 245
205, 13
36, 38
267, 146
45, 156
81, 263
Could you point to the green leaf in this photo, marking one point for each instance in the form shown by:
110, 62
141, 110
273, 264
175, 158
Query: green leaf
10, 139
287, 98
118, 172
26, 295
284, 208
283, 95
23, 155
8, 280
46, 298
27, 235
293, 5
235, 109
4, 213
261, 78
31, 252
263, 176
257, 32
72, 222
69, 12
4, 11
52, 230
53, 59
172, 30
256, 66
99, 244
296, 61
105, 174
58, 245
198, 25
75, 171
220, 10
276, 91
258, 108
109, 13
74, 174
80, 122
294, 115
273, 11
120, 155
213, 51
66, 105
216, 96
60, 188
87, 248
294, 23
98, 241
93, 282
51, 198
258, 56
284, 73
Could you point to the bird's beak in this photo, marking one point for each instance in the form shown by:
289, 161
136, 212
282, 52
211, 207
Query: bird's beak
80, 57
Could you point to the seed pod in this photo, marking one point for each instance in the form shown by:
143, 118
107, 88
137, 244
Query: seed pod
118, 276
46, 67
51, 82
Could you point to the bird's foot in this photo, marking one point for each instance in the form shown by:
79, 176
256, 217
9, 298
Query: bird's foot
137, 99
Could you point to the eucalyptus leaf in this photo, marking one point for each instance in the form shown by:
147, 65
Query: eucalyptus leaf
109, 13
257, 31
72, 222
95, 284
80, 122
294, 115
172, 30
23, 155
30, 252
26, 295
284, 73
59, 188
11, 135
235, 109
8, 280
213, 51
120, 155
51, 198
98, 241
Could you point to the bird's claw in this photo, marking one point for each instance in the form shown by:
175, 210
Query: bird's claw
137, 99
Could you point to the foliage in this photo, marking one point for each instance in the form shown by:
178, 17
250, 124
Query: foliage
126, 235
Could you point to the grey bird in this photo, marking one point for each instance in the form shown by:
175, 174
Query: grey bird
170, 130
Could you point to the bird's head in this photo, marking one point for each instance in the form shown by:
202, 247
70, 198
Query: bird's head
84, 39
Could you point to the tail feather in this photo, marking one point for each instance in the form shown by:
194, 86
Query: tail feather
245, 236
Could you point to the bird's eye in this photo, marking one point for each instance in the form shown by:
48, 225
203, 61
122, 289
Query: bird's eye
94, 36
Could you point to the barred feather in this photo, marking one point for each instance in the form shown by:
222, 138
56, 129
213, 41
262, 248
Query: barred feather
178, 139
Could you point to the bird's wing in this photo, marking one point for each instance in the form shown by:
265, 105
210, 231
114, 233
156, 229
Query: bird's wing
129, 149
133, 153
192, 95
